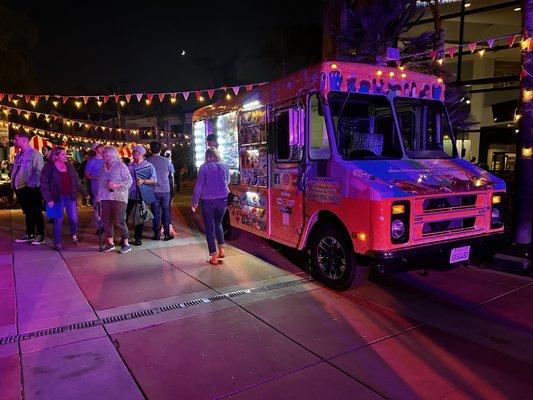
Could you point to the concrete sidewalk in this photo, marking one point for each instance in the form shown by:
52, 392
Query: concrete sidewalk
465, 333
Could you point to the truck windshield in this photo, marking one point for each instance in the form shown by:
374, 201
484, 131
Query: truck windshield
424, 128
364, 126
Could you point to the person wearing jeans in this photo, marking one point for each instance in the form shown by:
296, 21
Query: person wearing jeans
212, 189
60, 183
161, 206
113, 188
25, 181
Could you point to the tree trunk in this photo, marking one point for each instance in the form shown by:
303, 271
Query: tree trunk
524, 160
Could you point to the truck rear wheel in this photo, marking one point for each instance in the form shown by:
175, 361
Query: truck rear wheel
333, 259
230, 232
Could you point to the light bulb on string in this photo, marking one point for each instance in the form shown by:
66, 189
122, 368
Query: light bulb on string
55, 103
78, 104
99, 103
482, 52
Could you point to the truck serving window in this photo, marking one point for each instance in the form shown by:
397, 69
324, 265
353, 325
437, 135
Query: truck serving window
364, 126
424, 128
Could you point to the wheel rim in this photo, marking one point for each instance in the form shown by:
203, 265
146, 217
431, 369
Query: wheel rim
331, 258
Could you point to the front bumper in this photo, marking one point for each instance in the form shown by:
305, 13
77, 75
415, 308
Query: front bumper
434, 255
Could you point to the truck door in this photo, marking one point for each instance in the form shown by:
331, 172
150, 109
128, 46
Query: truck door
286, 200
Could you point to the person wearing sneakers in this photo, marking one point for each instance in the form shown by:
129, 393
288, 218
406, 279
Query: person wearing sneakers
113, 189
93, 171
60, 183
25, 181
161, 206
212, 188
167, 153
142, 190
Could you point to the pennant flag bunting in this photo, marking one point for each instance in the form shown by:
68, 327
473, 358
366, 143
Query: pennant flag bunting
139, 96
451, 51
236, 90
149, 96
249, 87
128, 97
472, 46
1, 96
161, 97
510, 40
85, 99
433, 54
106, 98
185, 95
198, 93
9, 97
117, 98
65, 99
490, 42
210, 93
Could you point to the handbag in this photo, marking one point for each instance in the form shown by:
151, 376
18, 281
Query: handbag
141, 213
55, 211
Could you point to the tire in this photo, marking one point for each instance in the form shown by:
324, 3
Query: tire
333, 259
230, 232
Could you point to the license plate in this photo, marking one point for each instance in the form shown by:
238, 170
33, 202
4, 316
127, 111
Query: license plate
459, 254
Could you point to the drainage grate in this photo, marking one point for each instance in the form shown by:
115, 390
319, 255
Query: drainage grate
145, 313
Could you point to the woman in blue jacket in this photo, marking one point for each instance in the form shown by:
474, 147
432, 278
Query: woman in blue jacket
212, 188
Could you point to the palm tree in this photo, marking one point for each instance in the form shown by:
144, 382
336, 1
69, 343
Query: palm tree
361, 31
524, 160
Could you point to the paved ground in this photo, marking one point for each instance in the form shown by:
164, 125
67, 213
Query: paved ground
466, 333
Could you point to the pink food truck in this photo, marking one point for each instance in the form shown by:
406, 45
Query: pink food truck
358, 166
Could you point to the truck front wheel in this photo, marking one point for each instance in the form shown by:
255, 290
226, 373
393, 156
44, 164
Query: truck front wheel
333, 259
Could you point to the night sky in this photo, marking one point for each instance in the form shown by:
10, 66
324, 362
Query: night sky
100, 46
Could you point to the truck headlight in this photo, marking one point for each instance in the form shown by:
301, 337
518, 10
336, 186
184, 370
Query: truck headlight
399, 226
496, 214
397, 229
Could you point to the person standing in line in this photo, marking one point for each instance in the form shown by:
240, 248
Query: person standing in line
59, 184
212, 141
167, 153
25, 181
161, 206
144, 178
45, 151
113, 188
212, 188
93, 171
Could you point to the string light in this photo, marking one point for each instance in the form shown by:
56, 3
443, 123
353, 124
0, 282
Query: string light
482, 52
99, 102
78, 104
148, 102
33, 103
228, 96
122, 103
173, 100
201, 99
55, 103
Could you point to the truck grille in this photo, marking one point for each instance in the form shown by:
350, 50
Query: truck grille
439, 204
439, 216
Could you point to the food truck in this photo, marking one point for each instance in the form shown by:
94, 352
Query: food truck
357, 165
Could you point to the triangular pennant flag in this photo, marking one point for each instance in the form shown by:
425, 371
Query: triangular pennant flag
46, 97
9, 97
198, 93
523, 73
173, 95
510, 40
236, 90
451, 51
128, 97
106, 98
490, 42
472, 46
85, 99
139, 96
65, 99
19, 111
117, 98
149, 96
249, 87
210, 93
27, 98
161, 97
185, 95
433, 54
1, 96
